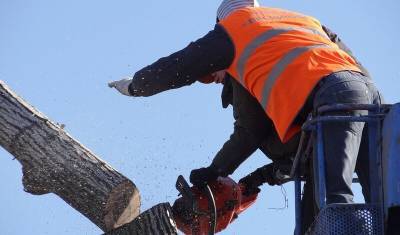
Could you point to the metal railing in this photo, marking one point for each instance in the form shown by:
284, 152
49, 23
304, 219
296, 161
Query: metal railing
343, 218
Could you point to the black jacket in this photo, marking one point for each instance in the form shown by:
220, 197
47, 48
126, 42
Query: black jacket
211, 53
253, 130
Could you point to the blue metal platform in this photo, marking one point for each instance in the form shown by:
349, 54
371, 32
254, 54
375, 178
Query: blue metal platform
384, 147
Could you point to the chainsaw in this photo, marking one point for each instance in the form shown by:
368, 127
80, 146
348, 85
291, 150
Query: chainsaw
210, 209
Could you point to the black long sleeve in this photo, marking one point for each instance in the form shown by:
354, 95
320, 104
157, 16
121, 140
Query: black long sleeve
251, 128
211, 53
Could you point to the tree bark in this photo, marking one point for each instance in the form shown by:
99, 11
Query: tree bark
156, 221
53, 162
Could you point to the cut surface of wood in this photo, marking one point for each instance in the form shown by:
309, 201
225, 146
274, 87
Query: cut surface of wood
156, 221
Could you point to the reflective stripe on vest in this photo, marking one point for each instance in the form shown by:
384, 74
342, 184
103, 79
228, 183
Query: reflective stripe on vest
280, 67
260, 40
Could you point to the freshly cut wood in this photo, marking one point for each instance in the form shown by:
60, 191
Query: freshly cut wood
156, 221
53, 162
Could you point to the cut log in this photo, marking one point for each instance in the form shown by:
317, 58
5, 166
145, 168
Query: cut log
53, 162
156, 221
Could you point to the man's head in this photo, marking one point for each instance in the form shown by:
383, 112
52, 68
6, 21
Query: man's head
229, 6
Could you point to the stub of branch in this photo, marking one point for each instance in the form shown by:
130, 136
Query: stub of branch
32, 184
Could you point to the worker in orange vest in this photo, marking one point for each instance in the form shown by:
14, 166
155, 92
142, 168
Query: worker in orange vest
290, 66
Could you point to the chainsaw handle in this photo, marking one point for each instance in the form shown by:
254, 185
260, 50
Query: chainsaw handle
184, 189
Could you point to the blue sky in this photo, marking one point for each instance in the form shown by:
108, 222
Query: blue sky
59, 56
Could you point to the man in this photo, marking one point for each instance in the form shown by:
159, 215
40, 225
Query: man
286, 66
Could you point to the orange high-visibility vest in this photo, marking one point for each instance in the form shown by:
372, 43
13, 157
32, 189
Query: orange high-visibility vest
279, 58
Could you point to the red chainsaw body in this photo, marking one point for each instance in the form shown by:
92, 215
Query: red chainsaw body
229, 201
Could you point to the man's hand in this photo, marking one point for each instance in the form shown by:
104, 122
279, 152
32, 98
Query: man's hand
122, 86
257, 178
251, 184
219, 76
200, 177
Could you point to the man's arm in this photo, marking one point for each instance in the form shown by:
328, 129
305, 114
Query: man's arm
211, 53
235, 151
251, 128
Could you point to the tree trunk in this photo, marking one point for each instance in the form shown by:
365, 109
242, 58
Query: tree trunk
156, 221
53, 162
